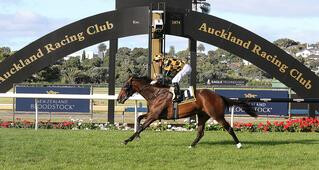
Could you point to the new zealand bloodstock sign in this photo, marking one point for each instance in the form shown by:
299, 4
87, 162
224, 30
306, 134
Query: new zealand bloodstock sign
262, 108
54, 105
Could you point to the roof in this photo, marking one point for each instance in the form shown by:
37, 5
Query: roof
313, 57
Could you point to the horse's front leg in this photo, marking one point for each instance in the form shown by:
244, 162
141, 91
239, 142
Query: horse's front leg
147, 122
139, 119
153, 114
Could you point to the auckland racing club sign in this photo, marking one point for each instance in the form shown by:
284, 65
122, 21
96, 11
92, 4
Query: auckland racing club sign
262, 108
54, 105
255, 49
69, 39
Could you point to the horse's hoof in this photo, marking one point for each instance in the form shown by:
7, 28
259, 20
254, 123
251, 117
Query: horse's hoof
238, 145
137, 138
125, 142
191, 147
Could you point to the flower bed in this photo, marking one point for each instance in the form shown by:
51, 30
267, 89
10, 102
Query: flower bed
291, 125
72, 124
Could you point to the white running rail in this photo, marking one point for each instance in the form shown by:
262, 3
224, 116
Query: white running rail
68, 96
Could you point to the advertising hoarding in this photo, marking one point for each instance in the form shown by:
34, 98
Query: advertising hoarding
54, 105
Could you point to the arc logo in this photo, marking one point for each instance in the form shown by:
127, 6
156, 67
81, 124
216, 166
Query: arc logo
52, 92
136, 22
250, 95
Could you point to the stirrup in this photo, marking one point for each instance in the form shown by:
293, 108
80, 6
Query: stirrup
177, 99
177, 92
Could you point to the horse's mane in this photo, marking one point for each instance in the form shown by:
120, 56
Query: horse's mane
147, 80
160, 85
142, 78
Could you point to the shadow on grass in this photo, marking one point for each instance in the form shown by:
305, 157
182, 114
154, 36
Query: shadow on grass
271, 143
246, 143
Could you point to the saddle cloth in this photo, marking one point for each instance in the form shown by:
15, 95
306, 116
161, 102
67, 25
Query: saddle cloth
188, 94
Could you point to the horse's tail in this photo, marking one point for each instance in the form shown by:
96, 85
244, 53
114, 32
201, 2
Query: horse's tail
247, 108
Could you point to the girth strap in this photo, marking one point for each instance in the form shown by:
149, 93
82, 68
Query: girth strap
175, 110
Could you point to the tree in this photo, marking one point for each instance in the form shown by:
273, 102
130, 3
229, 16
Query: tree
98, 74
91, 63
1, 57
105, 61
137, 52
69, 75
72, 62
102, 49
49, 74
96, 62
82, 78
171, 51
285, 43
201, 48
184, 54
5, 52
83, 55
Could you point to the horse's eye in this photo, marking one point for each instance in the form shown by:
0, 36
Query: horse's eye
127, 86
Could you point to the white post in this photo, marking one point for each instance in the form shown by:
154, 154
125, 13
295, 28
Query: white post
232, 116
135, 115
36, 113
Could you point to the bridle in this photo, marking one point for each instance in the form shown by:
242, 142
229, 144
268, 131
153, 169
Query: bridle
128, 90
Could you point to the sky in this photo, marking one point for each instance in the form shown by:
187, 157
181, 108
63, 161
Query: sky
24, 21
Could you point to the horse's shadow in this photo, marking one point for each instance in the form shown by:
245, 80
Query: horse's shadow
268, 143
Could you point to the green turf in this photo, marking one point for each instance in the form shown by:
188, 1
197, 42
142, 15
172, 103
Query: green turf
66, 149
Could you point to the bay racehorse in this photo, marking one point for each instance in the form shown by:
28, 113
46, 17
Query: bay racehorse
159, 100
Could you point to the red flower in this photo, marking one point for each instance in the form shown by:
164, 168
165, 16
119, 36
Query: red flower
26, 122
287, 126
248, 124
237, 125
260, 125
67, 124
5, 124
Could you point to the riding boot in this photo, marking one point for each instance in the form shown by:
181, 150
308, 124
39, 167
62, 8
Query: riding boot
177, 92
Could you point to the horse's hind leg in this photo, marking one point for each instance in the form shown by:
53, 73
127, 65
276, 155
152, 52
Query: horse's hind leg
202, 118
230, 130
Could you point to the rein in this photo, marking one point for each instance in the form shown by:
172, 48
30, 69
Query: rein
146, 86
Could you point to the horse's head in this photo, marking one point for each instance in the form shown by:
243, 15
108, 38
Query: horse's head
133, 85
127, 91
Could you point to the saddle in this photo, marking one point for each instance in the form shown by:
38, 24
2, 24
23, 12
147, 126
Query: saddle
187, 96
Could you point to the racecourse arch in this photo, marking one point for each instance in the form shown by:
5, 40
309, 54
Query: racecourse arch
132, 17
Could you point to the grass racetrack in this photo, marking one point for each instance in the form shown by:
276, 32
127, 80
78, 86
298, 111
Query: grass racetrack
66, 149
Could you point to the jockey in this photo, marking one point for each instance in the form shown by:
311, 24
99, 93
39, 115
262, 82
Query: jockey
176, 68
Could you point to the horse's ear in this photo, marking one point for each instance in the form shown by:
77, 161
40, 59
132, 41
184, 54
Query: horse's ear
130, 74
130, 78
